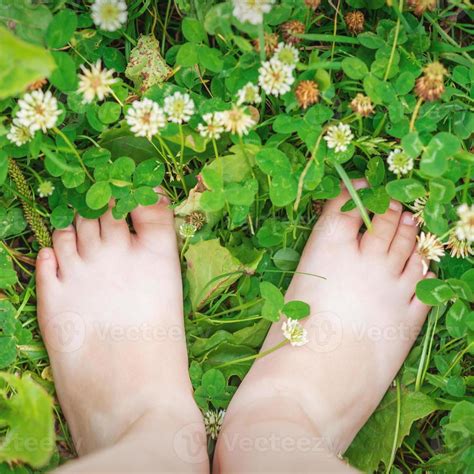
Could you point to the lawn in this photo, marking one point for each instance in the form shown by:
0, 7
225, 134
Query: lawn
249, 123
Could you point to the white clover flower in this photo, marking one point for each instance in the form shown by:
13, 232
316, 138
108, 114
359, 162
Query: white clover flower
38, 111
237, 121
465, 225
109, 15
212, 128
459, 248
418, 208
179, 107
399, 162
145, 118
249, 94
294, 332
45, 189
251, 11
429, 248
95, 82
19, 134
213, 420
187, 230
287, 54
339, 137
275, 77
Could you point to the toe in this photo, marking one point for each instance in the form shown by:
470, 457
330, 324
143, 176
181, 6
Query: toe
113, 230
154, 225
413, 271
65, 248
384, 227
88, 236
418, 309
46, 269
337, 225
403, 243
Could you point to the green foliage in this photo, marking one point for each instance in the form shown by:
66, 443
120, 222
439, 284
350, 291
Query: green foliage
254, 197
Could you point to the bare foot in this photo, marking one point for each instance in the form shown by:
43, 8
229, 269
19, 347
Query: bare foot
364, 320
110, 311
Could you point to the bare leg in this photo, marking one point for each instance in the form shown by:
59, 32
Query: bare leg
364, 320
110, 311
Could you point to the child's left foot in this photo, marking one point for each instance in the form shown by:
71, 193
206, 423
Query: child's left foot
110, 311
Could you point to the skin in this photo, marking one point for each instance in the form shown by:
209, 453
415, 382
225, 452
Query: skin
110, 311
301, 407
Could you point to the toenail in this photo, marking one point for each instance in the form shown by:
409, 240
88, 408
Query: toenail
163, 197
44, 254
360, 183
395, 206
69, 228
408, 219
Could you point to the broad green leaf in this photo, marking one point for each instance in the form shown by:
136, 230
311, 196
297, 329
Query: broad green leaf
405, 190
373, 444
209, 277
354, 68
61, 29
28, 417
98, 195
433, 291
64, 77
21, 64
213, 382
8, 275
296, 309
193, 30
273, 162
434, 161
61, 217
412, 144
442, 190
187, 55
286, 259
283, 190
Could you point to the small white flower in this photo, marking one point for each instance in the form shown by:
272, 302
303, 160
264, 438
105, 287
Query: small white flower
251, 11
429, 248
465, 225
109, 15
287, 54
179, 107
236, 120
45, 189
187, 230
459, 248
418, 208
294, 332
213, 127
38, 111
339, 137
95, 82
399, 162
19, 134
249, 94
145, 118
213, 420
275, 77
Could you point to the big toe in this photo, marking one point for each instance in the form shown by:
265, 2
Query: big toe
154, 225
384, 228
337, 225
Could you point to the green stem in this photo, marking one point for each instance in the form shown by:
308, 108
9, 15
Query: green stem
394, 46
256, 356
76, 153
416, 110
355, 197
397, 428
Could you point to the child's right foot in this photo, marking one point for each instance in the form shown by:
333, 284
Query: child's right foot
364, 319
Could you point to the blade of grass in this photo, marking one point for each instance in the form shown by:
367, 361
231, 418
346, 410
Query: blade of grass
356, 198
